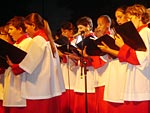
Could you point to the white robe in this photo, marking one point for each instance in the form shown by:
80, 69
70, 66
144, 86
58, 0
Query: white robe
127, 82
12, 83
85, 80
69, 73
44, 75
70, 70
81, 85
138, 76
101, 73
115, 82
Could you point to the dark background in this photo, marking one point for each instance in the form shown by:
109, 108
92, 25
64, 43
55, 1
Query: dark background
57, 11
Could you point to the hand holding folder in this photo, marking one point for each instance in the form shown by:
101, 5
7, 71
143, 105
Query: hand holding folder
92, 49
68, 48
62, 40
15, 54
89, 43
65, 46
128, 33
130, 36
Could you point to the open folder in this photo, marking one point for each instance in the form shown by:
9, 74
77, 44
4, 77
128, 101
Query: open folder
91, 44
127, 31
15, 54
64, 45
68, 48
131, 36
62, 40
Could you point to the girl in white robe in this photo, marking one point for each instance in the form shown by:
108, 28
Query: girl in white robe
135, 93
43, 82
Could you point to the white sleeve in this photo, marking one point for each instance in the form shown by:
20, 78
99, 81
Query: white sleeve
34, 54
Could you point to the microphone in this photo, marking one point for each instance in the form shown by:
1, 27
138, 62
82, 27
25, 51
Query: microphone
82, 32
79, 33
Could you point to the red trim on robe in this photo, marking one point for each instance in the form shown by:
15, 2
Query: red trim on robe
16, 69
88, 62
71, 39
97, 62
127, 54
141, 27
22, 38
64, 59
108, 33
41, 33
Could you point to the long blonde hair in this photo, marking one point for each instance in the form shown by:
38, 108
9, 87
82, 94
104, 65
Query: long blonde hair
138, 10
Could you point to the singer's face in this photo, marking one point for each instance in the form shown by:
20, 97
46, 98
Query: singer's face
82, 28
67, 33
102, 26
14, 32
30, 29
120, 17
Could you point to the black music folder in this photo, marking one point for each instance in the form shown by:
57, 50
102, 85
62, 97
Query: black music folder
15, 54
127, 31
81, 42
91, 44
68, 48
130, 36
64, 45
108, 40
62, 40
91, 48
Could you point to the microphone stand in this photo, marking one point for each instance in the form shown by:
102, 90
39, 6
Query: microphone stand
68, 66
85, 72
